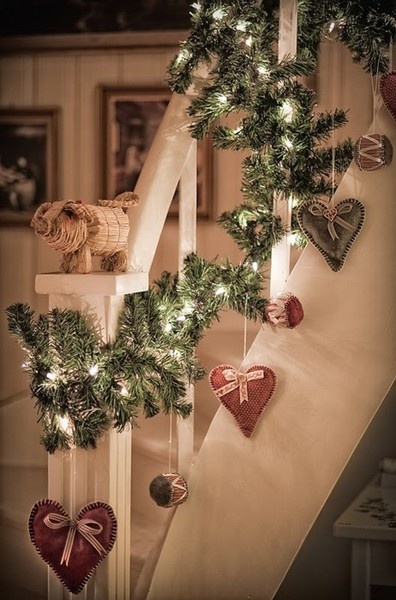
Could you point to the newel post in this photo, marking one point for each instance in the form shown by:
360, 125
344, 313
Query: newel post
78, 477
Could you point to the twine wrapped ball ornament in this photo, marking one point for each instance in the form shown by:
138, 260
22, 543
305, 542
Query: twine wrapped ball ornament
169, 489
372, 152
244, 395
285, 310
73, 548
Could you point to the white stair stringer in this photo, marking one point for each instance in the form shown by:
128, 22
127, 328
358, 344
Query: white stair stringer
253, 501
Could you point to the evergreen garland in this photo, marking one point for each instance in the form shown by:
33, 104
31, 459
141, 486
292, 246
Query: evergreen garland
83, 386
237, 41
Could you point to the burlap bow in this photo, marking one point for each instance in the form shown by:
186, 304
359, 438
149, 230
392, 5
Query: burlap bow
332, 216
238, 380
88, 528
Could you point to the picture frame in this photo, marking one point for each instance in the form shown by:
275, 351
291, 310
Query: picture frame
28, 162
129, 120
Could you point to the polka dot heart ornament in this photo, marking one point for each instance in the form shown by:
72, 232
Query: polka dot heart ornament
73, 548
245, 395
388, 92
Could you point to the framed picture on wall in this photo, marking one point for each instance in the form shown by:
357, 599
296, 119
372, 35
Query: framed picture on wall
28, 162
130, 118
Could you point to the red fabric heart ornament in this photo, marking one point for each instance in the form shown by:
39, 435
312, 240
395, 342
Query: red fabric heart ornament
245, 395
72, 548
388, 92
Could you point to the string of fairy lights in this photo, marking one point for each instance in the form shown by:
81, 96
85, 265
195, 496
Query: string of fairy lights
83, 386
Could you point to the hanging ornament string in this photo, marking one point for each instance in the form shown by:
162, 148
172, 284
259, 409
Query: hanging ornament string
245, 329
333, 157
170, 442
374, 78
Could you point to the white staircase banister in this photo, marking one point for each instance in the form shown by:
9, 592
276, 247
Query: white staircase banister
187, 244
280, 256
78, 477
158, 181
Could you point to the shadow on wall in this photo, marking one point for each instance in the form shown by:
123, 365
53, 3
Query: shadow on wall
322, 567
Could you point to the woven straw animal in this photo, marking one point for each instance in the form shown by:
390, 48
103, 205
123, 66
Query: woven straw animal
81, 231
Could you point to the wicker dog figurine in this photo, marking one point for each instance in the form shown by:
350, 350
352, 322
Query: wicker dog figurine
81, 231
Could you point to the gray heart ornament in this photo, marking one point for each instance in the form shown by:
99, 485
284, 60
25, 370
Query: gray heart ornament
332, 229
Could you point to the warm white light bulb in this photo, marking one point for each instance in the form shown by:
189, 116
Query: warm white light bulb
223, 98
220, 290
94, 370
188, 308
255, 265
287, 111
124, 391
183, 55
168, 327
249, 41
288, 143
181, 318
66, 425
51, 376
218, 14
262, 70
241, 26
292, 239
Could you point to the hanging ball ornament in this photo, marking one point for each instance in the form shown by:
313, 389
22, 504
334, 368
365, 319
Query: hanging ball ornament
285, 310
169, 489
373, 151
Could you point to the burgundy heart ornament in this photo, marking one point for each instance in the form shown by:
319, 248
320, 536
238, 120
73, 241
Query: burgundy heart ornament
73, 548
245, 395
332, 229
388, 92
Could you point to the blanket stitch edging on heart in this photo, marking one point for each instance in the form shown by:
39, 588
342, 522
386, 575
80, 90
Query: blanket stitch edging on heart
61, 509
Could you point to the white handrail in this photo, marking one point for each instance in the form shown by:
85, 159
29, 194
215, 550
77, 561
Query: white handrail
158, 181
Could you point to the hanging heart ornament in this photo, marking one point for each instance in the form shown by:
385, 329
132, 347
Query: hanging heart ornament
245, 395
332, 229
73, 548
388, 92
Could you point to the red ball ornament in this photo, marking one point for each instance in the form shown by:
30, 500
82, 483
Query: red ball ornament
373, 151
285, 310
169, 489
